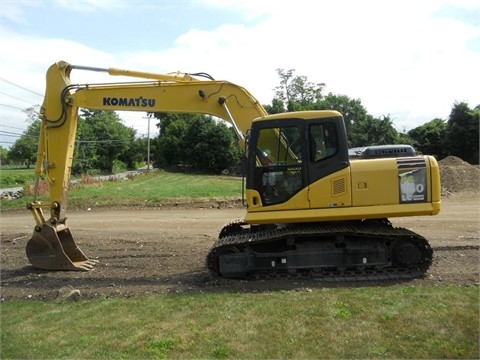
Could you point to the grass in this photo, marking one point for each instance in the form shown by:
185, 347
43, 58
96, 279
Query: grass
370, 322
155, 188
11, 177
440, 322
149, 189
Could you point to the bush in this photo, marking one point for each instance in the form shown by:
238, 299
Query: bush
118, 167
15, 180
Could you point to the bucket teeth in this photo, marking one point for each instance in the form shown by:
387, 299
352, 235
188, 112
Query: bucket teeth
85, 265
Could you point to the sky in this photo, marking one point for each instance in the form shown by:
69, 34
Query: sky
409, 59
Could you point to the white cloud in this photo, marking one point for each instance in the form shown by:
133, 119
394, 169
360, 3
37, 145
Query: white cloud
399, 58
15, 11
91, 5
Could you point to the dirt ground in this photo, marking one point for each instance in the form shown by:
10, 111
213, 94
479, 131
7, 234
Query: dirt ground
163, 250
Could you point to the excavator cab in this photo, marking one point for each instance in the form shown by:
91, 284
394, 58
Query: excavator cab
295, 150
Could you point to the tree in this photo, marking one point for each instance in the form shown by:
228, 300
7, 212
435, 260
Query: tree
209, 146
429, 138
352, 109
137, 153
404, 138
277, 107
102, 139
373, 131
196, 141
462, 135
171, 142
24, 150
165, 119
4, 156
296, 92
85, 157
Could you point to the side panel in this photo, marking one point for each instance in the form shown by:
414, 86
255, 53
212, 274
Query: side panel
435, 180
390, 181
331, 191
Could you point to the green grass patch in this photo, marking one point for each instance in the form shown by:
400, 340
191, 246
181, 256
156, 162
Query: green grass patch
438, 322
16, 177
148, 189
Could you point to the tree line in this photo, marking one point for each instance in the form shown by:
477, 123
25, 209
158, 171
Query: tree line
203, 144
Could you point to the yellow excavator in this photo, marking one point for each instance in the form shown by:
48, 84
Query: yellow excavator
314, 208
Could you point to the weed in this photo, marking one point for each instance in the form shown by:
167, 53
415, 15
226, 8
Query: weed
340, 309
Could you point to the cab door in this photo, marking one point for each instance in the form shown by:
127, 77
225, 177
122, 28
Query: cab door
277, 155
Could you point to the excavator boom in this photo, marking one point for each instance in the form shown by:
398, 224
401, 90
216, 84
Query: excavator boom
52, 245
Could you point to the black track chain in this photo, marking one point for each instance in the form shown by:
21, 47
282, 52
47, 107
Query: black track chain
238, 235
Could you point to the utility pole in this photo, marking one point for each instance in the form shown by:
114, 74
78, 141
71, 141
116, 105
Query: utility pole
148, 143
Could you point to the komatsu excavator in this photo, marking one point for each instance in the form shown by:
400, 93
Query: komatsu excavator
312, 210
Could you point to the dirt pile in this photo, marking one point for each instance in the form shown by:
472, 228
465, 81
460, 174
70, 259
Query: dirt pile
458, 176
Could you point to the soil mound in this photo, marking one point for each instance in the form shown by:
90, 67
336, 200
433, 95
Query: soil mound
458, 176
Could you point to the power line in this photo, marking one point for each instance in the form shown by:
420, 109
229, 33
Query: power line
7, 133
86, 142
14, 97
13, 107
102, 141
21, 87
11, 127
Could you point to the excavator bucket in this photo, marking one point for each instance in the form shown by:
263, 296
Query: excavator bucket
52, 247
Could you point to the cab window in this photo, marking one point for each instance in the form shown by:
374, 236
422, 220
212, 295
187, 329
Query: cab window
279, 152
323, 141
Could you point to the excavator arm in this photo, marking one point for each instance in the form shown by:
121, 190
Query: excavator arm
52, 245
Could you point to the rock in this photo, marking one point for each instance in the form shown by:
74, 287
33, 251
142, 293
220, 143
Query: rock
67, 294
11, 194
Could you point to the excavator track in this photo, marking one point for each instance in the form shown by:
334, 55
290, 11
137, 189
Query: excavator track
327, 251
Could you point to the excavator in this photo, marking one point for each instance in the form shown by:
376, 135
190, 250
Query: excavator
312, 209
